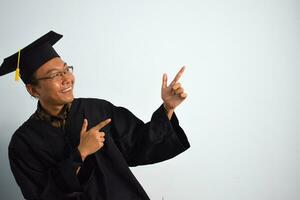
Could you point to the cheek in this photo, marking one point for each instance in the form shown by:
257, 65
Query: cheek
50, 90
72, 79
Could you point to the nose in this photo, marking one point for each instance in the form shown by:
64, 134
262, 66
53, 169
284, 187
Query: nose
67, 79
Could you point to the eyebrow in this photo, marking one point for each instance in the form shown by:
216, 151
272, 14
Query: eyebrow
51, 70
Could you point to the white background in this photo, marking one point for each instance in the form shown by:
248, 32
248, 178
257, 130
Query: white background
242, 112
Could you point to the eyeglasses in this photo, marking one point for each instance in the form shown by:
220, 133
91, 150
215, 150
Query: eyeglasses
57, 76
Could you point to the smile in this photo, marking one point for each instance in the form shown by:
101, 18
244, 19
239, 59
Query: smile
67, 89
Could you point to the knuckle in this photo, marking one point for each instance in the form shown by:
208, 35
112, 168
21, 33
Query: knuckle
176, 86
102, 134
180, 90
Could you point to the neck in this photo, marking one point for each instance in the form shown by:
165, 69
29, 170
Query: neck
53, 110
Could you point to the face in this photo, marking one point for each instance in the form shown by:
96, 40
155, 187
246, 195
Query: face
52, 92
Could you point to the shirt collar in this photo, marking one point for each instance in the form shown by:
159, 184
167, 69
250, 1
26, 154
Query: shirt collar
56, 121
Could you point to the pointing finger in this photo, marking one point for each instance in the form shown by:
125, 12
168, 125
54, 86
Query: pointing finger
178, 75
102, 124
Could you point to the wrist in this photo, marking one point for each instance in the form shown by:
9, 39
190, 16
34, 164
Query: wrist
82, 154
169, 112
167, 109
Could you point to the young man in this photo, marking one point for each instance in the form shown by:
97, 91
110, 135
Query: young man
81, 148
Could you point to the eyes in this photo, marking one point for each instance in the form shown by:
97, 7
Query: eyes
58, 75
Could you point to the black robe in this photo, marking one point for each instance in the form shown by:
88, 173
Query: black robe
44, 159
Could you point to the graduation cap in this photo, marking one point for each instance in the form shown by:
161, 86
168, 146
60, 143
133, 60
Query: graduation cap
27, 60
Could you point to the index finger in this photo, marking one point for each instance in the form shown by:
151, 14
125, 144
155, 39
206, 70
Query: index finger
178, 75
102, 124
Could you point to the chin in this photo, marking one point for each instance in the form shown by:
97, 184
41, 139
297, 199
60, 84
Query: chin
67, 99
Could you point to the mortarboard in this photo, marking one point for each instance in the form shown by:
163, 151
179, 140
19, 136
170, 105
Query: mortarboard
29, 59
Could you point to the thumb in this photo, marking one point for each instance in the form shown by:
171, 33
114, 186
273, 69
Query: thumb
164, 80
84, 127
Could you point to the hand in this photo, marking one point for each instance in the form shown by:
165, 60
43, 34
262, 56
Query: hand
91, 140
174, 94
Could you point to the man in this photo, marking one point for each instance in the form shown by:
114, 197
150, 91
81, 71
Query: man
81, 148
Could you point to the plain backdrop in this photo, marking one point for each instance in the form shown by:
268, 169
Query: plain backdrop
242, 77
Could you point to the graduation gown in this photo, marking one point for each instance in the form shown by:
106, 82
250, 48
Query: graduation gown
44, 159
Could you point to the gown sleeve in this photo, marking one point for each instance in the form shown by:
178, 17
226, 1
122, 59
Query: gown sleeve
146, 143
39, 182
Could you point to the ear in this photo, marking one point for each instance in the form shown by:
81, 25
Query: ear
32, 90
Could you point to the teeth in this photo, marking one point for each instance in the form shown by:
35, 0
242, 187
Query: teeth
68, 89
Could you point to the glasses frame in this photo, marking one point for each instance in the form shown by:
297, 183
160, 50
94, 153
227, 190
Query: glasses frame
67, 71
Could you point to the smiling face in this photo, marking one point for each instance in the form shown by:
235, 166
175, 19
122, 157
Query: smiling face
53, 92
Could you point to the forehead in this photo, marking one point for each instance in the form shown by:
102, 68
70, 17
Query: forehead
54, 63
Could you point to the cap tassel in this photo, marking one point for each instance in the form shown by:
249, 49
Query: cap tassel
17, 74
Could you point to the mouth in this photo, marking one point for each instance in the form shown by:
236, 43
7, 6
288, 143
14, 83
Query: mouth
67, 89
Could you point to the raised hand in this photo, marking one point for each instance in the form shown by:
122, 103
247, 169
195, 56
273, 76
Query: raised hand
93, 139
174, 94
